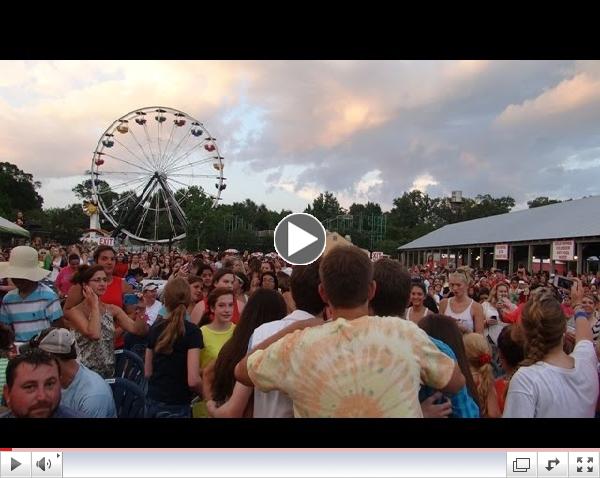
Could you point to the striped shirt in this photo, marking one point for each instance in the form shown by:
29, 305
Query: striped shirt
31, 315
595, 327
3, 365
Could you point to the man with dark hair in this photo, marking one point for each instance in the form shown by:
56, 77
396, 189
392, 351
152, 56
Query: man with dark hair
355, 365
100, 249
32, 387
304, 286
393, 288
83, 390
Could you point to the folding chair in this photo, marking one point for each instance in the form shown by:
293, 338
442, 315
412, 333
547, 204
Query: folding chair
129, 365
130, 400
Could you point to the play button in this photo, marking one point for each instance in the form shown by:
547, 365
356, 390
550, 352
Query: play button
299, 238
14, 464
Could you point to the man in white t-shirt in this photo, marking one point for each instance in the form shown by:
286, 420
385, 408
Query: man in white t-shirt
304, 285
152, 305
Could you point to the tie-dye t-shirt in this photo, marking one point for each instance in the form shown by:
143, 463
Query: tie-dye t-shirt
366, 367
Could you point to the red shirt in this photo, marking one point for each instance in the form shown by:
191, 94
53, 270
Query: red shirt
121, 269
114, 296
513, 317
114, 292
501, 384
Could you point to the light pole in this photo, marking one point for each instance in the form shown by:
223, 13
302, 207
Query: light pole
456, 202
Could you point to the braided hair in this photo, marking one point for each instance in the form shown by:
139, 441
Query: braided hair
543, 323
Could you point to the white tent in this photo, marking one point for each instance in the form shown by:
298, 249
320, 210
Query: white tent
7, 227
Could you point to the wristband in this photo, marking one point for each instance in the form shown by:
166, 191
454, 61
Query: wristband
580, 314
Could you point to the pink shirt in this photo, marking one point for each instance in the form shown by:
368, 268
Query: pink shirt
63, 280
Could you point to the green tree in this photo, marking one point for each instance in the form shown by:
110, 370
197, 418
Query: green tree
67, 224
18, 191
201, 217
83, 191
325, 206
262, 220
411, 209
388, 246
485, 205
542, 201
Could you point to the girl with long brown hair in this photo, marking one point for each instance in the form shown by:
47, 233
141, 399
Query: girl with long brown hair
441, 328
228, 398
172, 363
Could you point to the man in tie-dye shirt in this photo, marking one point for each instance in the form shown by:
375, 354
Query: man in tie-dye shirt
354, 365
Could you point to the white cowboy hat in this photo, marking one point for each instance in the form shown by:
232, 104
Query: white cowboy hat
23, 264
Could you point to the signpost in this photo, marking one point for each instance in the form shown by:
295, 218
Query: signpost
563, 250
375, 256
501, 252
106, 241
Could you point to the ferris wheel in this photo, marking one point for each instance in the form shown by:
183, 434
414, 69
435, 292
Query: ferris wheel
143, 168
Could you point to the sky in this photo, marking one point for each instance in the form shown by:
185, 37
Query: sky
365, 130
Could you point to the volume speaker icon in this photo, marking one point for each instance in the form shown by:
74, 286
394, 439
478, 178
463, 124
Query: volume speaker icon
43, 463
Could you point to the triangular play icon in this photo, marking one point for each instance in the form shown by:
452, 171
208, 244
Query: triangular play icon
298, 239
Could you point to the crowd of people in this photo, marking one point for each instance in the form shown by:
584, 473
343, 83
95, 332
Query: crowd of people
248, 335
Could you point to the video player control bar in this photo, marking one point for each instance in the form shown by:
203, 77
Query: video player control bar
297, 463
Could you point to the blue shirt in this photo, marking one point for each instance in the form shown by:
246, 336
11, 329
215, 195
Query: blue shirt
89, 395
463, 405
29, 316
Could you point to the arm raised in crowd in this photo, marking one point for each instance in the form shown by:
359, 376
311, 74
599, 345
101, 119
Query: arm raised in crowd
136, 327
583, 330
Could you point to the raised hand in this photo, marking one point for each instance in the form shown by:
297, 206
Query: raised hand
576, 292
90, 297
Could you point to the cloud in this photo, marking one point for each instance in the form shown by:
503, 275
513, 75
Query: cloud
570, 94
423, 182
364, 190
365, 130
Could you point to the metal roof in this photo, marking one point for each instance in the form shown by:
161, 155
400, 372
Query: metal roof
570, 219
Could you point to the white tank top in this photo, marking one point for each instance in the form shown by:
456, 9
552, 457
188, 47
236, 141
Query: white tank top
464, 318
410, 311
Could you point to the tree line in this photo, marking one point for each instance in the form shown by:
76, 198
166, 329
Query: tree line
248, 225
